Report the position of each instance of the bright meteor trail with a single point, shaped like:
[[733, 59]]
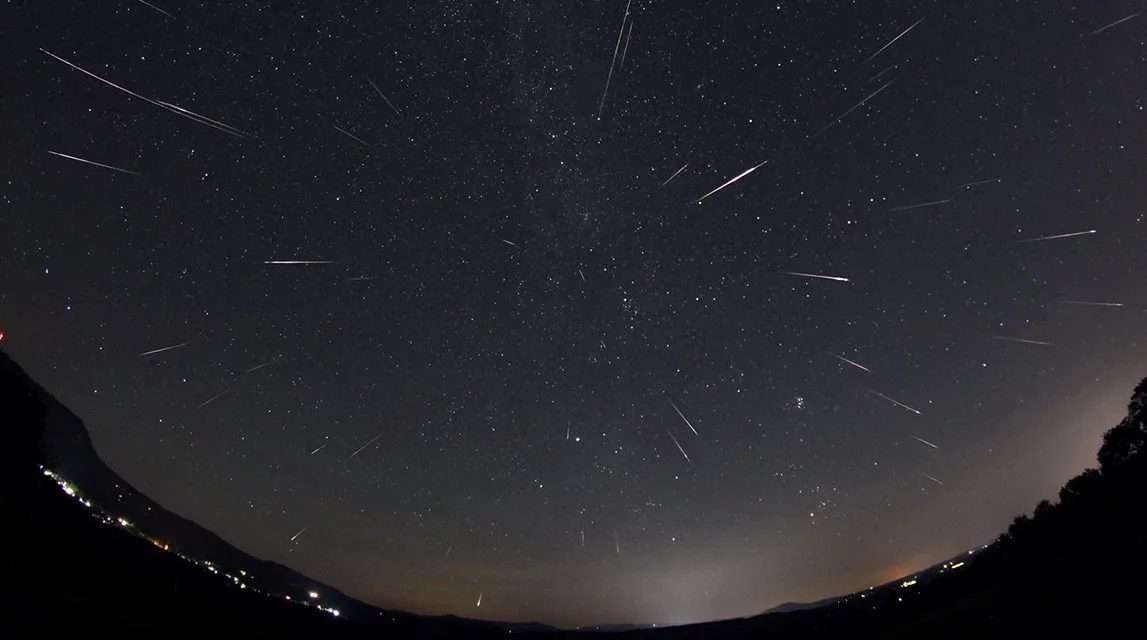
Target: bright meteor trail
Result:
[[163, 105], [98, 164], [925, 442], [892, 41], [383, 96], [741, 175], [1092, 304], [895, 402], [675, 173], [815, 275], [678, 446], [156, 8], [857, 365], [148, 353], [1062, 235], [360, 449], [684, 418], [1011, 339]]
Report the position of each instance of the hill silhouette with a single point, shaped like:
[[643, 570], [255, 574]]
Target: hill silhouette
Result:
[[65, 441], [152, 572], [1072, 566]]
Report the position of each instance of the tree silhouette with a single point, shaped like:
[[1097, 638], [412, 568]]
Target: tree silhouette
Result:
[[1125, 440], [1120, 444], [1138, 402], [1097, 504], [1081, 486]]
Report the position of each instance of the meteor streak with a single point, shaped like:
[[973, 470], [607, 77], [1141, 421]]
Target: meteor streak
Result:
[[163, 105], [360, 449], [225, 128], [321, 447], [383, 95], [922, 204], [879, 75], [294, 537], [925, 442], [895, 402], [212, 399], [1056, 237], [684, 418], [678, 446], [675, 173], [98, 164], [741, 175], [933, 479], [1120, 21], [902, 33], [620, 32], [969, 185], [479, 600], [353, 136], [148, 353], [301, 262], [626, 49], [509, 243], [854, 108], [156, 8], [260, 366], [1011, 339], [814, 275], [855, 364], [1093, 304], [107, 82]]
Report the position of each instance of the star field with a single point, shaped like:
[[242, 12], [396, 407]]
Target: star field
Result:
[[473, 341]]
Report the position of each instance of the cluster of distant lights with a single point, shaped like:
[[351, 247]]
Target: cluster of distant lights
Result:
[[311, 599], [950, 565], [313, 596]]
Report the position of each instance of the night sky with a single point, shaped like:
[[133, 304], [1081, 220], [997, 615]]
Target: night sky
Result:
[[529, 366]]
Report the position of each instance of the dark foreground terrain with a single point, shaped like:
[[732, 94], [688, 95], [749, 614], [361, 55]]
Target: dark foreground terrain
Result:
[[1074, 568]]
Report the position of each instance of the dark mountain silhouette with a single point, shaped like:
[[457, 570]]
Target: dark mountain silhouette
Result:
[[801, 606], [66, 442], [1072, 567], [70, 561]]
